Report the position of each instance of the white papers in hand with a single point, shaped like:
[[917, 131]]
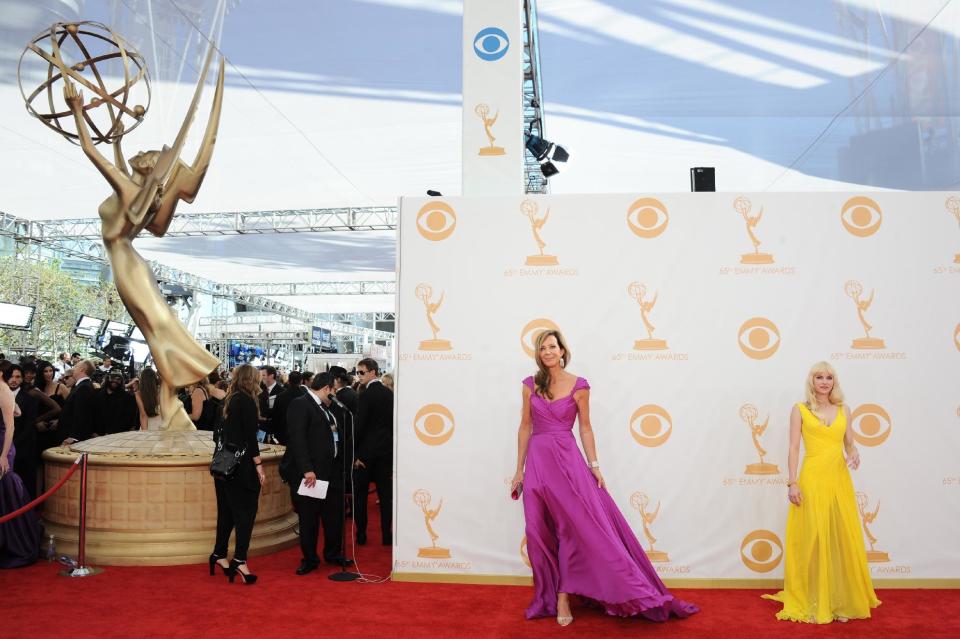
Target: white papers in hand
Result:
[[319, 490]]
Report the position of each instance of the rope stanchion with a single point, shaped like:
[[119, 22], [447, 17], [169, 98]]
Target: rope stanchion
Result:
[[42, 498], [82, 570]]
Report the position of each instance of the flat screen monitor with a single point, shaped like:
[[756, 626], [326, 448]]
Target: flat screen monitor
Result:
[[137, 334], [117, 328], [15, 315], [88, 326]]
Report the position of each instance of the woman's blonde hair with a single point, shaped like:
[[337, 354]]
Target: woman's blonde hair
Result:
[[542, 378], [246, 380], [836, 395]]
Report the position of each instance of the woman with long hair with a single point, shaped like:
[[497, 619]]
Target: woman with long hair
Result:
[[237, 498], [19, 537], [577, 540], [54, 389], [825, 575], [148, 399]]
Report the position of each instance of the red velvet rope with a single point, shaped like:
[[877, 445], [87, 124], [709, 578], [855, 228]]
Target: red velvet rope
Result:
[[42, 498]]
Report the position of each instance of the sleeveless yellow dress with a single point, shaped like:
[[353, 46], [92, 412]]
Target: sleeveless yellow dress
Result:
[[825, 565]]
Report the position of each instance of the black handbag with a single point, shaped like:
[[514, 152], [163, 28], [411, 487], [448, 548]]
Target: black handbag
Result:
[[226, 461]]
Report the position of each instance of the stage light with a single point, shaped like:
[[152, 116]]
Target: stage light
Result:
[[548, 169], [538, 147], [559, 154]]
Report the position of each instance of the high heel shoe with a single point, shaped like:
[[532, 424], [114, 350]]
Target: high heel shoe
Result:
[[214, 562], [247, 578]]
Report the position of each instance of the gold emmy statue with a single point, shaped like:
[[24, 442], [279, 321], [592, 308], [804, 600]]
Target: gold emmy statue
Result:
[[424, 293], [867, 517], [742, 205], [640, 501], [483, 112], [638, 291], [749, 413], [529, 208], [854, 290], [145, 197], [953, 205], [422, 499]]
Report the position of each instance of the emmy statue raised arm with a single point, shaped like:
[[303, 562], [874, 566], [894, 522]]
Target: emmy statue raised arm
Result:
[[144, 198]]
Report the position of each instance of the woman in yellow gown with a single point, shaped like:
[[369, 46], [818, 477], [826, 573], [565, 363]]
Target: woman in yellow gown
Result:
[[826, 576]]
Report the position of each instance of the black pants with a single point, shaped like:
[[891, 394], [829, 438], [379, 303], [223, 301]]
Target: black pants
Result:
[[380, 471], [312, 512], [25, 465], [236, 508]]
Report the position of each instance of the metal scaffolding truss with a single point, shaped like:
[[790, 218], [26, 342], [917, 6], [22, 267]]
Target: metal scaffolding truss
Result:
[[275, 289], [358, 317], [532, 96], [41, 241], [373, 218]]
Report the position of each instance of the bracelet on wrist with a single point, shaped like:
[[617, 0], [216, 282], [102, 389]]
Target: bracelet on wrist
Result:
[[595, 464]]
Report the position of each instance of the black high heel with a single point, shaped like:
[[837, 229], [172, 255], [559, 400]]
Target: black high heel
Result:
[[214, 564], [248, 579]]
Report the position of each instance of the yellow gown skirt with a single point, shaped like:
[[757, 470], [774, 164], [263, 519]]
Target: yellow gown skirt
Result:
[[825, 565]]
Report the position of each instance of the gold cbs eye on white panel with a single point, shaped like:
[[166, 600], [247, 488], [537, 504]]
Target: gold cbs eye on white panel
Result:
[[528, 336], [651, 425], [434, 424], [861, 216], [758, 338], [761, 551], [871, 424], [436, 220], [647, 217]]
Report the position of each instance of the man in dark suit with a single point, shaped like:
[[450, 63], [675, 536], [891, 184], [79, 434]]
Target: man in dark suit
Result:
[[342, 383], [374, 451], [312, 448], [292, 391], [77, 417], [24, 431], [271, 389], [115, 410]]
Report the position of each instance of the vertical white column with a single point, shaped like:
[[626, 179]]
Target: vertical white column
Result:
[[492, 141]]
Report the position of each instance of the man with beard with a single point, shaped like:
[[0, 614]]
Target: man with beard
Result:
[[115, 409], [25, 436]]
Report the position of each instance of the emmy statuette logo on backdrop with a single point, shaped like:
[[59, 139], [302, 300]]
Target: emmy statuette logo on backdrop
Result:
[[953, 205], [483, 112], [422, 499], [638, 292], [434, 424], [436, 220], [490, 44], [742, 206], [867, 518], [956, 337], [528, 336], [529, 209], [758, 338], [854, 290], [749, 413], [651, 425], [424, 293], [871, 424], [861, 216], [757, 551], [647, 217], [641, 503]]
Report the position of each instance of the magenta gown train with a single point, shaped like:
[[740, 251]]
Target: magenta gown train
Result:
[[577, 540]]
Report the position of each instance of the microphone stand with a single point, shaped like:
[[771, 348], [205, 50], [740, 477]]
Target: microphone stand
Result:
[[343, 574]]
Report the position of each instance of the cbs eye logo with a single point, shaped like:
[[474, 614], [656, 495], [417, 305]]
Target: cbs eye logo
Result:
[[647, 217], [523, 552], [861, 216], [757, 551], [491, 44], [436, 220], [651, 425], [758, 338], [871, 424], [434, 424], [528, 336]]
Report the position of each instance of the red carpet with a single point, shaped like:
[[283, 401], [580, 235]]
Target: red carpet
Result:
[[183, 601]]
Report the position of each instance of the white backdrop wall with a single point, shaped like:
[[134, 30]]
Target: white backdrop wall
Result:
[[733, 325]]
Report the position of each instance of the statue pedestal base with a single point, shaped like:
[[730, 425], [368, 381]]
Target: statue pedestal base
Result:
[[434, 553], [436, 345], [868, 343], [762, 469], [877, 556], [151, 500], [492, 150], [756, 258], [542, 260], [650, 345], [658, 556]]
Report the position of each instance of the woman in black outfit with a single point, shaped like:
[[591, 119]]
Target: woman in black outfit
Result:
[[237, 498]]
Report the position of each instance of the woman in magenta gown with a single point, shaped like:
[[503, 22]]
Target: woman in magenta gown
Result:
[[577, 540]]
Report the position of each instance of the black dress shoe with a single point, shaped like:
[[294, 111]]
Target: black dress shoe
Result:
[[361, 539], [340, 561], [307, 566]]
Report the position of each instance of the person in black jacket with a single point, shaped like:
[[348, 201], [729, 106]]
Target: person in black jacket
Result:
[[314, 445], [342, 383], [270, 389], [237, 498], [115, 409], [374, 451], [291, 391], [76, 419]]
